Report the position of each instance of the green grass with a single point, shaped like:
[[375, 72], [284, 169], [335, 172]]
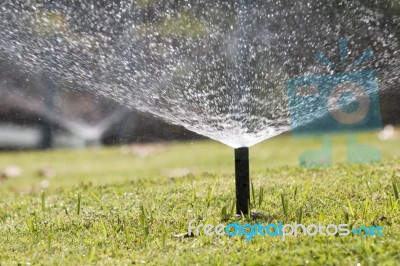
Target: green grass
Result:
[[107, 207]]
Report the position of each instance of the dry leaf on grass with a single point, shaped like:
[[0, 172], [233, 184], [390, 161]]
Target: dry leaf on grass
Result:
[[46, 172]]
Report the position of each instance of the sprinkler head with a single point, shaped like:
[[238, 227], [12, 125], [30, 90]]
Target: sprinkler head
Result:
[[242, 180]]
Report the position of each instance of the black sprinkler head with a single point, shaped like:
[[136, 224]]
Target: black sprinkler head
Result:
[[242, 180]]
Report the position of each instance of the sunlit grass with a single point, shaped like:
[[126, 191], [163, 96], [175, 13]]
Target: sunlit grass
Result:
[[121, 206]]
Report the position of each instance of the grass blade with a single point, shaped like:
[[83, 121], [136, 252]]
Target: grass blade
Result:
[[396, 191], [253, 193], [350, 207], [300, 215], [143, 224], [103, 206], [260, 196], [78, 207], [211, 192], [224, 215], [43, 201], [284, 205], [233, 208]]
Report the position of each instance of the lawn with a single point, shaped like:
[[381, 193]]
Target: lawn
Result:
[[131, 205]]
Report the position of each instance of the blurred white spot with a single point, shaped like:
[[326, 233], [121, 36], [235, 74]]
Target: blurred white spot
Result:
[[11, 172], [388, 133], [44, 184]]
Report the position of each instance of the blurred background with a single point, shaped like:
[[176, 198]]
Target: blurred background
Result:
[[34, 115]]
